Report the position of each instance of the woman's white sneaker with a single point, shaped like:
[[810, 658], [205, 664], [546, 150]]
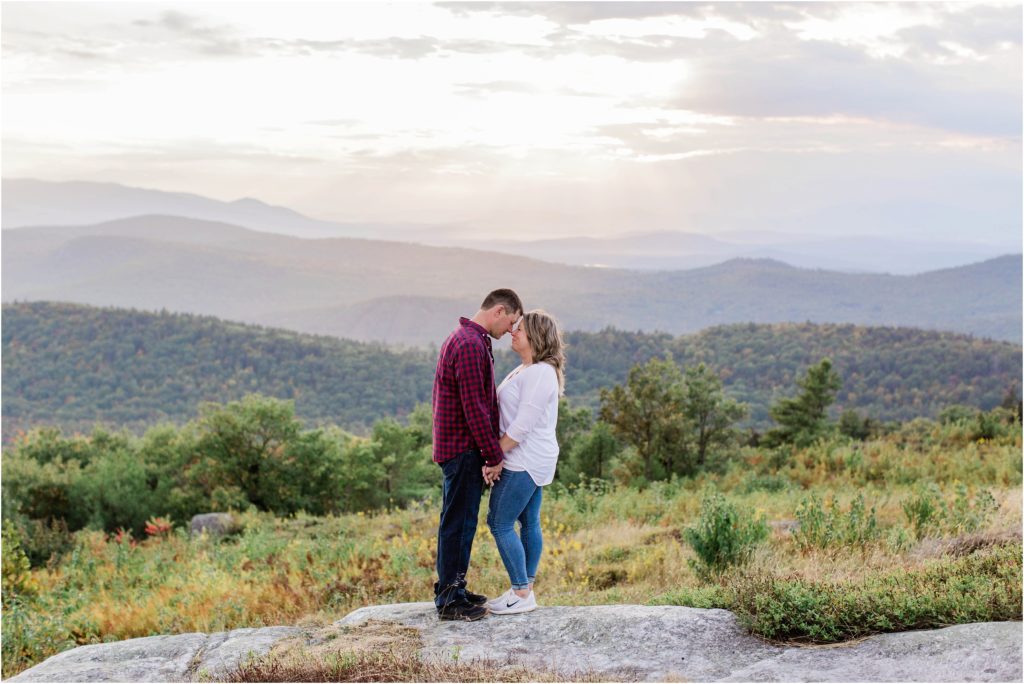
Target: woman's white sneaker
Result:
[[511, 604], [500, 601]]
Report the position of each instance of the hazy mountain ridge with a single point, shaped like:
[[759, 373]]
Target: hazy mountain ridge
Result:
[[29, 202], [361, 289], [72, 365]]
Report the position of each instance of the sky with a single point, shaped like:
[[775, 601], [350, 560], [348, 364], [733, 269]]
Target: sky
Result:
[[529, 120]]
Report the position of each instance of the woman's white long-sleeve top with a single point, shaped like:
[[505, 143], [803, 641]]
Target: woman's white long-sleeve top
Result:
[[528, 398]]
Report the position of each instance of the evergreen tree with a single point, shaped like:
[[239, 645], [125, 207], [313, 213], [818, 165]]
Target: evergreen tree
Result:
[[709, 413], [804, 418]]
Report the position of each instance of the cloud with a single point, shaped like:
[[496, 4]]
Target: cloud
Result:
[[570, 13], [817, 78]]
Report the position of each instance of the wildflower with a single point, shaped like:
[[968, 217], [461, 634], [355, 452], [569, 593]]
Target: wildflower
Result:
[[158, 527]]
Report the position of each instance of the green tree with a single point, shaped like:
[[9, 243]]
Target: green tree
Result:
[[647, 412], [804, 418], [592, 455], [570, 432], [709, 413], [242, 452], [854, 426], [404, 457]]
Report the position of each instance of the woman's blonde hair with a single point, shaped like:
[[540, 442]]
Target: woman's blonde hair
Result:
[[546, 342]]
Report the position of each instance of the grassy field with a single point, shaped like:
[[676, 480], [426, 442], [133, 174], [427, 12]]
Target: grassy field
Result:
[[937, 541]]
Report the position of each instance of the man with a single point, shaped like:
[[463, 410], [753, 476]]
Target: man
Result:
[[465, 440]]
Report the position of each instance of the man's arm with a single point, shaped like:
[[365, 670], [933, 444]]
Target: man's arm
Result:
[[472, 373]]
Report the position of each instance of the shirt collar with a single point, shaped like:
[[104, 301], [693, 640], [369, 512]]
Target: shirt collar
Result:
[[465, 322]]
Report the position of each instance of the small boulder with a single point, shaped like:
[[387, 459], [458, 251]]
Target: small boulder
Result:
[[214, 524]]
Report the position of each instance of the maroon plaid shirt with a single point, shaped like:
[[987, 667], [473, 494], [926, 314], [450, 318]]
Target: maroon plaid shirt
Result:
[[465, 400]]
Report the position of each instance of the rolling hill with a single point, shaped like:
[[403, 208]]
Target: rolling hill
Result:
[[71, 366], [407, 294], [870, 241]]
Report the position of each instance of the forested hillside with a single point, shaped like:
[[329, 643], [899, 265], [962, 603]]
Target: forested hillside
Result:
[[888, 373], [72, 365]]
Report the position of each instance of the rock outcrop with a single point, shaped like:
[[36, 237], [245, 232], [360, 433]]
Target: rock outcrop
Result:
[[615, 643], [214, 524]]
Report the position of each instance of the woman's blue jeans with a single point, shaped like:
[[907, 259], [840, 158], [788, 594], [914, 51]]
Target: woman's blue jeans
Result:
[[516, 497]]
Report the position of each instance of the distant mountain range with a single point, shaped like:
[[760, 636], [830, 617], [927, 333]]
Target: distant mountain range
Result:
[[409, 294], [29, 202], [72, 366]]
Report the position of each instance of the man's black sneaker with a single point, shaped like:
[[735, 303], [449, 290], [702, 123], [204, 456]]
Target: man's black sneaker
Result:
[[462, 610], [475, 599]]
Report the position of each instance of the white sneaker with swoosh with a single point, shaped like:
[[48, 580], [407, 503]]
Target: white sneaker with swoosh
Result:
[[510, 604]]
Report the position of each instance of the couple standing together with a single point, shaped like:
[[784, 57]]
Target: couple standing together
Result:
[[503, 437]]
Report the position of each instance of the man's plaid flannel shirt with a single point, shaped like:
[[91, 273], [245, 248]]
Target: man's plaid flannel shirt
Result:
[[465, 399]]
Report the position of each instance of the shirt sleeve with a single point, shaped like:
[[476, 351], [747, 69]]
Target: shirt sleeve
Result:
[[538, 389], [473, 374]]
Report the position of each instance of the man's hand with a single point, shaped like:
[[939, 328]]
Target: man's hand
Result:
[[492, 473]]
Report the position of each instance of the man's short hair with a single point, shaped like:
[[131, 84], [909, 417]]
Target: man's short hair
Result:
[[507, 298]]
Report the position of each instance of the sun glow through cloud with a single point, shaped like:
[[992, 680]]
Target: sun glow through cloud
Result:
[[446, 110]]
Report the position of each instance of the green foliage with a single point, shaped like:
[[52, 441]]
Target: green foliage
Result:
[[804, 419], [852, 425], [724, 536], [929, 512], [45, 541], [982, 587], [73, 366], [673, 419], [17, 580], [772, 482], [969, 514], [249, 453], [709, 414], [647, 413], [592, 455], [827, 526], [707, 596], [925, 510], [888, 373], [405, 458]]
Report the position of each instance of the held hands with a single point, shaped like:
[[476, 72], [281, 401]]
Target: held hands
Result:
[[492, 474]]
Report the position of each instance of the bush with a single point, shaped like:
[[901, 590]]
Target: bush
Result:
[[708, 596], [982, 587], [723, 536], [929, 514], [824, 527], [925, 510], [967, 514], [46, 540]]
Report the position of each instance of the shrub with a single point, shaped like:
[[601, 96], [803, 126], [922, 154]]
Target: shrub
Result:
[[46, 540], [17, 580], [823, 527], [982, 587], [708, 596], [929, 514], [723, 536], [969, 515], [924, 510]]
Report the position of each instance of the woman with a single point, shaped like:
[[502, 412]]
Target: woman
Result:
[[528, 399]]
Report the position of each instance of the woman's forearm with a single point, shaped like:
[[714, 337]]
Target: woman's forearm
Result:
[[507, 443]]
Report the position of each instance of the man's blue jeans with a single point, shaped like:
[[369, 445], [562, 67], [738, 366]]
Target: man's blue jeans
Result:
[[460, 506], [517, 497]]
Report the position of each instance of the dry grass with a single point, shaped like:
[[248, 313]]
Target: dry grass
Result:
[[379, 651]]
